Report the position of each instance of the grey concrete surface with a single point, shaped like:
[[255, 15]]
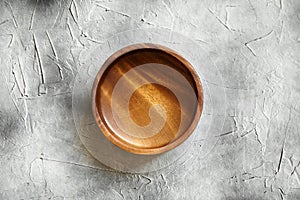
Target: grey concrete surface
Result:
[[254, 43]]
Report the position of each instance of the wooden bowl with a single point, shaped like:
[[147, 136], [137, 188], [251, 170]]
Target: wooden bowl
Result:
[[147, 99]]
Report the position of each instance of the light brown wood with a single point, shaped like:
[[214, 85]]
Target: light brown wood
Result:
[[147, 99]]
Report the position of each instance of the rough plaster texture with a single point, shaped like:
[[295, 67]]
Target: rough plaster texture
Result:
[[255, 44]]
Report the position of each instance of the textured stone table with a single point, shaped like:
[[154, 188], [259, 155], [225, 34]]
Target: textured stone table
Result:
[[256, 46]]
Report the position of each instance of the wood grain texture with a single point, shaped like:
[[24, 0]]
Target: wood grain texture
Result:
[[147, 99]]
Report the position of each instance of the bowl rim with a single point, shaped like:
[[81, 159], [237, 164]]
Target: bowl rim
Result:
[[118, 141]]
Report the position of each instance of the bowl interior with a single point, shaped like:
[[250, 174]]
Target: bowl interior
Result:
[[147, 97]]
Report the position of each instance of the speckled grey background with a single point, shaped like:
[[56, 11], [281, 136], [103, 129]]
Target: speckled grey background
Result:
[[255, 44]]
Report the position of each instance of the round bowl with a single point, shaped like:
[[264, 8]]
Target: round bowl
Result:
[[147, 99]]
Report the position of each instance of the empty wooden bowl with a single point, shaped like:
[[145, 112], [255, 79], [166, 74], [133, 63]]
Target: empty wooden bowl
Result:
[[147, 99]]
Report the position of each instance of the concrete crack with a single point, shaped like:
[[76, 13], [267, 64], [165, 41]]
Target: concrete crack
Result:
[[95, 41], [52, 46], [281, 193], [61, 65], [202, 41], [59, 70], [13, 98], [74, 16], [12, 13], [247, 132], [77, 164], [27, 118], [285, 136], [250, 50], [119, 193], [23, 79], [41, 71], [58, 16], [110, 10], [89, 38], [224, 134], [258, 140], [250, 3], [70, 30], [32, 15], [147, 178], [3, 22], [281, 31], [149, 23], [11, 40], [280, 159], [295, 171], [219, 20], [256, 39], [30, 169], [16, 81]]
